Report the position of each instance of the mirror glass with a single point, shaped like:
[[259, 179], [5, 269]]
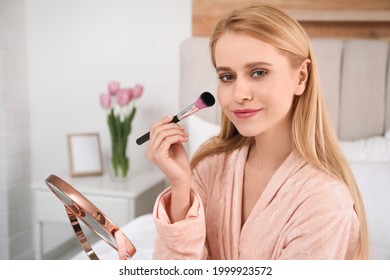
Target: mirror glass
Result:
[[79, 208], [85, 217]]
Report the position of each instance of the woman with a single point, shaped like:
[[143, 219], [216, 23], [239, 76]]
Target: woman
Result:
[[274, 184]]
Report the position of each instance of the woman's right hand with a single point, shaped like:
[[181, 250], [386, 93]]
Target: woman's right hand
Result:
[[167, 152]]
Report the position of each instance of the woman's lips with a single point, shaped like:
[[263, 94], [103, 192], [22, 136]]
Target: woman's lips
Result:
[[245, 113]]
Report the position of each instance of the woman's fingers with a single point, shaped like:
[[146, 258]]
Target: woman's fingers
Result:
[[170, 140], [163, 134], [159, 133], [164, 120], [166, 151]]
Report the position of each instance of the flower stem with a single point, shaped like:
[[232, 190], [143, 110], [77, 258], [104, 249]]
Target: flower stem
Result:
[[120, 131]]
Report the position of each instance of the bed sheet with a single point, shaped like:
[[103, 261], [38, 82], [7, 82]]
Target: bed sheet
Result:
[[141, 232]]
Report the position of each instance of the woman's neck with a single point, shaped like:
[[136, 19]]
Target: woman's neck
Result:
[[272, 147]]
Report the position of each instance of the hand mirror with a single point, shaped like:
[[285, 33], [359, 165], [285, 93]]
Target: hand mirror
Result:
[[78, 208]]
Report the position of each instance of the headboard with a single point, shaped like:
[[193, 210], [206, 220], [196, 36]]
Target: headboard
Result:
[[354, 74]]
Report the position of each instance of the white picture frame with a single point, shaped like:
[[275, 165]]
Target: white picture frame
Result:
[[85, 154]]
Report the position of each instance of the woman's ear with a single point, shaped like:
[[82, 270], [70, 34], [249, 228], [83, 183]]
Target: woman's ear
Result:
[[304, 72]]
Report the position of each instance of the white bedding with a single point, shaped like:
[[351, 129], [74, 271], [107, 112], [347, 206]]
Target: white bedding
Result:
[[141, 232]]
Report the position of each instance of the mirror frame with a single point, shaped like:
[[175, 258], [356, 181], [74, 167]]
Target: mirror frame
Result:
[[80, 208]]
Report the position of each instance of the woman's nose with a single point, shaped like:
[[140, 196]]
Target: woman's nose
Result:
[[242, 91]]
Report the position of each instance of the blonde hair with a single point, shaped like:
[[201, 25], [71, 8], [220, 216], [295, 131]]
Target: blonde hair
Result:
[[312, 132]]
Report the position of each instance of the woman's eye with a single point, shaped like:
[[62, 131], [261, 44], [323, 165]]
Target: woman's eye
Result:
[[259, 73], [226, 77]]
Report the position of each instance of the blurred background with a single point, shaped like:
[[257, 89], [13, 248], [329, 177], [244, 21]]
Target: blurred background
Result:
[[57, 56]]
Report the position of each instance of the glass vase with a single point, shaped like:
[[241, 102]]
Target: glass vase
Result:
[[119, 161]]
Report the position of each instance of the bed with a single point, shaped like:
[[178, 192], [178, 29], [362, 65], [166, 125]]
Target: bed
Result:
[[355, 78]]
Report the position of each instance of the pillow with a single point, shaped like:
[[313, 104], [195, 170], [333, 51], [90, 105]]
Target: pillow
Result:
[[199, 131], [376, 148]]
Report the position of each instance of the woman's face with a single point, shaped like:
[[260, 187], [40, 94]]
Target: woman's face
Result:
[[256, 83]]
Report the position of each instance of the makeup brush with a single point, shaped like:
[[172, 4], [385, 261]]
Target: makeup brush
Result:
[[206, 99]]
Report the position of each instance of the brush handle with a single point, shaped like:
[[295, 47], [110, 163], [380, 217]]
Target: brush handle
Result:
[[146, 136]]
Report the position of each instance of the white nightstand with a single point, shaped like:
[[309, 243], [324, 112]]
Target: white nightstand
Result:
[[120, 201]]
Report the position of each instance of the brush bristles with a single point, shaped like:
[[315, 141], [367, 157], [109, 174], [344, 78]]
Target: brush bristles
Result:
[[206, 99]]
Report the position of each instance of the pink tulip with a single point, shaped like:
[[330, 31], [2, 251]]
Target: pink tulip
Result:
[[137, 91], [113, 88], [123, 97], [105, 101], [130, 93]]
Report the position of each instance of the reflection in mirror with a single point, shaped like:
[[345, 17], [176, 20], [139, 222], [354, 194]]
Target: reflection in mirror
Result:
[[79, 208], [65, 199]]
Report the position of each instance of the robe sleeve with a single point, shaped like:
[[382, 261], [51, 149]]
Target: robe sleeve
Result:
[[333, 236], [185, 239]]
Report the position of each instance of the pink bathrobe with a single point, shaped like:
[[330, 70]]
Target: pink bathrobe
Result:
[[303, 213]]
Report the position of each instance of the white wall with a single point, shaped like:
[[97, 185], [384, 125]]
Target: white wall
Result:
[[75, 47], [15, 201]]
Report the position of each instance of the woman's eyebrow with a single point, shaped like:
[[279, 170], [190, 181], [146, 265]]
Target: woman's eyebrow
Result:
[[223, 69], [248, 66], [257, 64]]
